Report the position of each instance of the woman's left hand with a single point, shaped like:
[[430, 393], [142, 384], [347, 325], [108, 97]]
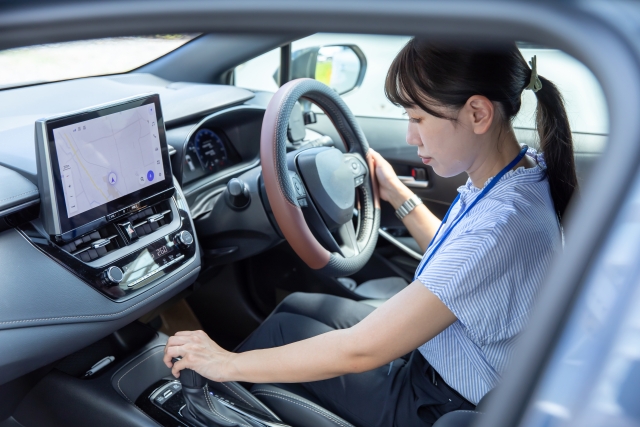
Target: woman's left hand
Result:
[[199, 353]]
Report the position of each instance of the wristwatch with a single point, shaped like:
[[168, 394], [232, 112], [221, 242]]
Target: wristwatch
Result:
[[408, 206]]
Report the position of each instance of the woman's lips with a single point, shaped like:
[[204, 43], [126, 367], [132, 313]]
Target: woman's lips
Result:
[[426, 160]]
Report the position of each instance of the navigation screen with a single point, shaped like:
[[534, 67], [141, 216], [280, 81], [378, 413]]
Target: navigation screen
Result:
[[108, 157]]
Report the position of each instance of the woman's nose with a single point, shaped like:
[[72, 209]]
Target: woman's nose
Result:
[[413, 137]]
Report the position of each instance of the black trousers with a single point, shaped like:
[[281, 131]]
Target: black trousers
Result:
[[407, 392]]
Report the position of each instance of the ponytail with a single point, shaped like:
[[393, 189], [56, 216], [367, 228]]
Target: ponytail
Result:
[[556, 143]]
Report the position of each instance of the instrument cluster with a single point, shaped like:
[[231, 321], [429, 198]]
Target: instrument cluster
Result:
[[208, 151]]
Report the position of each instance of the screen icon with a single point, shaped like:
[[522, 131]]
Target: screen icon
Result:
[[150, 176], [113, 178]]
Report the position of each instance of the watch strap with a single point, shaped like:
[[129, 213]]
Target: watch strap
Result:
[[409, 205]]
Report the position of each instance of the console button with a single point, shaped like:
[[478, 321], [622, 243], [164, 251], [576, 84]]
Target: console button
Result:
[[113, 275], [184, 239], [129, 231]]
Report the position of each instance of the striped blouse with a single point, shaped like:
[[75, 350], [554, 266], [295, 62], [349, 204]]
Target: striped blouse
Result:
[[487, 272]]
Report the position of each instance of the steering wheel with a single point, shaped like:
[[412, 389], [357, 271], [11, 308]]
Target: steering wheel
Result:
[[317, 194]]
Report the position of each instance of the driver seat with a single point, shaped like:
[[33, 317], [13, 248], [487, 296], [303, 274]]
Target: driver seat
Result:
[[296, 407]]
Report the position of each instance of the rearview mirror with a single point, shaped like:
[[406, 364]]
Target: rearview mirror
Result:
[[341, 67]]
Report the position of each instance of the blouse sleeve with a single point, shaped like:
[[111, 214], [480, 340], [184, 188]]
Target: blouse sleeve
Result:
[[473, 275]]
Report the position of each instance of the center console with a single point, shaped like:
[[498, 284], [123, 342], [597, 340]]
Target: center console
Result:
[[110, 209]]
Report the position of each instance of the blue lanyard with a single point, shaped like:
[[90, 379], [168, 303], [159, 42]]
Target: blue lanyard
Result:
[[484, 192]]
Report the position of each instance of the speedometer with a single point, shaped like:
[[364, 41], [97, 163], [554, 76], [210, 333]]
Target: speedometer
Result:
[[210, 150]]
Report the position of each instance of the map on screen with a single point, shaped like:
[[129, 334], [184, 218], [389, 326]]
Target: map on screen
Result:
[[109, 157]]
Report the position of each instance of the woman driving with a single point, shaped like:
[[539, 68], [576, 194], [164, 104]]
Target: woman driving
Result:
[[444, 341]]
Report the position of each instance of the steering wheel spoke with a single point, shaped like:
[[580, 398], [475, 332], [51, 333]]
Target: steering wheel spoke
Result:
[[348, 239]]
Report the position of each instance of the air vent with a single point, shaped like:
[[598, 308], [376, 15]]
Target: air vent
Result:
[[95, 244], [151, 219], [100, 242]]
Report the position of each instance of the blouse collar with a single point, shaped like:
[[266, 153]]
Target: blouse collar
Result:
[[469, 190]]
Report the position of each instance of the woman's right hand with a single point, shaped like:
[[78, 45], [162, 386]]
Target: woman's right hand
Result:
[[391, 188]]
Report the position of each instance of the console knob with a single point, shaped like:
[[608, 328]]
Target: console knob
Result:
[[238, 193], [113, 275], [184, 239]]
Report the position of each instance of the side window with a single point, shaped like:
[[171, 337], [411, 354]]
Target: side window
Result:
[[585, 102], [366, 100]]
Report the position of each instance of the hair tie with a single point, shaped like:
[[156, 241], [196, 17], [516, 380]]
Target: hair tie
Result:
[[534, 84]]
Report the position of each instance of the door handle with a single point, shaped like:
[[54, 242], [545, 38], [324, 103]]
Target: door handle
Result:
[[411, 182]]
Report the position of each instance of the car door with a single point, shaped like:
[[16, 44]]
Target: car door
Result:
[[385, 126]]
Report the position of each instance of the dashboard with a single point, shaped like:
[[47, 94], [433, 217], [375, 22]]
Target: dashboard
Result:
[[131, 244]]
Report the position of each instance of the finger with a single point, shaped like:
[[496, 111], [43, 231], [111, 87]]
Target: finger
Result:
[[180, 340], [169, 354], [167, 359], [179, 366], [185, 333], [374, 181]]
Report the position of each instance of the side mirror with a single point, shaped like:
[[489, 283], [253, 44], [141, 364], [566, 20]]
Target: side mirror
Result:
[[341, 67]]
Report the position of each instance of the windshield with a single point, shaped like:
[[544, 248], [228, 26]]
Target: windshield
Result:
[[71, 60]]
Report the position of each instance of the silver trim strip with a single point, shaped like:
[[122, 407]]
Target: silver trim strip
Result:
[[404, 248], [154, 272], [219, 179], [52, 219]]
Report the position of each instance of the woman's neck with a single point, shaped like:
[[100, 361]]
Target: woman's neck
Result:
[[491, 161]]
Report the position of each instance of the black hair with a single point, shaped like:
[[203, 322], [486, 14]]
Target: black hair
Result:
[[428, 75]]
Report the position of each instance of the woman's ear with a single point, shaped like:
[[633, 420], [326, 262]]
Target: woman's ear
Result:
[[481, 112]]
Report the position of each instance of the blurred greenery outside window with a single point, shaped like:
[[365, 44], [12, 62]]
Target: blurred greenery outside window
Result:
[[85, 58]]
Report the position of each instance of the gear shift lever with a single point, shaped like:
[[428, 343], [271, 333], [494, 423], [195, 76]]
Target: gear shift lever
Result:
[[204, 410], [191, 379]]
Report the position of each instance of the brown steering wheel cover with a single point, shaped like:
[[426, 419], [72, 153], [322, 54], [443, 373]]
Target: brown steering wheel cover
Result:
[[288, 215]]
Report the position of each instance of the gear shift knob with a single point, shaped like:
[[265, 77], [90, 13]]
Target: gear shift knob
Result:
[[190, 378]]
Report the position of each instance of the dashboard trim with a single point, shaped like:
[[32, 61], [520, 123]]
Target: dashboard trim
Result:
[[206, 183], [19, 207], [49, 203]]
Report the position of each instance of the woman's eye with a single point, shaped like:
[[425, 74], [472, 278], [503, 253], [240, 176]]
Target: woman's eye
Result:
[[414, 120]]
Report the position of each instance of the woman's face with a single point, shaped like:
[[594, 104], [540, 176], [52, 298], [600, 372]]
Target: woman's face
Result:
[[445, 145]]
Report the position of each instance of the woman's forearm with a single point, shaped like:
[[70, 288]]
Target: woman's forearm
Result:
[[421, 223], [384, 335], [324, 356]]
